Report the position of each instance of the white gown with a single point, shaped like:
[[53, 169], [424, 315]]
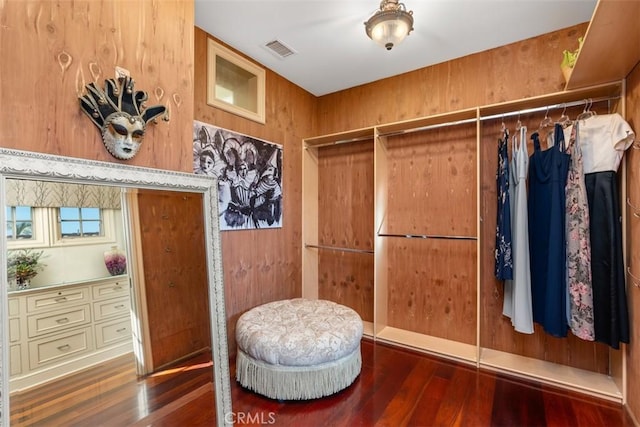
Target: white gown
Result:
[[517, 292]]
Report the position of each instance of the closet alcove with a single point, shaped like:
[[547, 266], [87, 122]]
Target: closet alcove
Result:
[[399, 223]]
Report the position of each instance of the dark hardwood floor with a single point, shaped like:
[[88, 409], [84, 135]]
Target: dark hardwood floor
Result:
[[396, 387]]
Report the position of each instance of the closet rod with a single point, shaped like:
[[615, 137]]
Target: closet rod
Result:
[[341, 141], [335, 248], [435, 126], [428, 236], [549, 107]]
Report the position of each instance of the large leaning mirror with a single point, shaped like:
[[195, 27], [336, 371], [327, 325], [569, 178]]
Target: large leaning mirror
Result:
[[110, 230]]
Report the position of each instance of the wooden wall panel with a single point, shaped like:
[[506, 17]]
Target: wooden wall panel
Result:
[[432, 182], [52, 48], [432, 190], [345, 220], [175, 274], [518, 70], [633, 245], [263, 265], [432, 287]]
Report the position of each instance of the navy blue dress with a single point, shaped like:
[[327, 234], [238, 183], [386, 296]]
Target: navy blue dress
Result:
[[503, 253], [548, 172]]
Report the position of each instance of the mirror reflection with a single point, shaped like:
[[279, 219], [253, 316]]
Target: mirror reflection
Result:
[[86, 320]]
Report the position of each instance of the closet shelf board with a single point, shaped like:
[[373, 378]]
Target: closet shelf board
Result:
[[434, 345], [408, 126], [340, 137], [608, 53], [563, 376], [610, 90]]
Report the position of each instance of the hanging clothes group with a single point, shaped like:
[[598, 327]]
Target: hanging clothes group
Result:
[[571, 275]]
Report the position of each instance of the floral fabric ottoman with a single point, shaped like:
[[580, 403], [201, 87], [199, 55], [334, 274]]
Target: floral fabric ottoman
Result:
[[298, 349]]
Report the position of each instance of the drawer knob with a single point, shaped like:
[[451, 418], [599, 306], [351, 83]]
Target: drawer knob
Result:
[[119, 306], [117, 288], [61, 299], [121, 330], [65, 347], [63, 320]]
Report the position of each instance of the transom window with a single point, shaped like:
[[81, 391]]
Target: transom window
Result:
[[80, 222], [19, 223]]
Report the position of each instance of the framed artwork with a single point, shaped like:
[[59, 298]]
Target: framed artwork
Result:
[[249, 173]]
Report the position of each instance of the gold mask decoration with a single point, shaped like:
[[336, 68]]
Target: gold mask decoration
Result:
[[120, 114]]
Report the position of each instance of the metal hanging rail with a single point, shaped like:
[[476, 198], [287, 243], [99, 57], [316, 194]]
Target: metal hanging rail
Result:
[[428, 236], [341, 141], [549, 107], [336, 248], [428, 127]]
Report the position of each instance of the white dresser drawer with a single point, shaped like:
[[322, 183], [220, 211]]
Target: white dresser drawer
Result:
[[111, 308], [113, 331], [14, 330], [59, 347], [57, 299], [15, 360], [14, 307], [111, 289], [57, 320]]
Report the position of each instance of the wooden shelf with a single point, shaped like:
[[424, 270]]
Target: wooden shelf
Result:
[[566, 377], [441, 347], [611, 45]]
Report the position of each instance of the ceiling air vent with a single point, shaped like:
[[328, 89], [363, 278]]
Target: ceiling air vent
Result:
[[279, 49]]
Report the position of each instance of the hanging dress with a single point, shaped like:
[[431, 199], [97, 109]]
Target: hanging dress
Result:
[[517, 292], [548, 171], [579, 287], [503, 257], [603, 140]]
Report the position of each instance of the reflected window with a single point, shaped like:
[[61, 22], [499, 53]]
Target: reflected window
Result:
[[19, 223], [80, 222]]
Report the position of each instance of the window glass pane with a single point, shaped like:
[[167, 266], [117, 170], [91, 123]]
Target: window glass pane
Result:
[[23, 213], [70, 228], [19, 222], [24, 230], [90, 213], [69, 213], [91, 228]]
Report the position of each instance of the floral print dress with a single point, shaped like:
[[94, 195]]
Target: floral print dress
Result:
[[503, 255], [579, 284]]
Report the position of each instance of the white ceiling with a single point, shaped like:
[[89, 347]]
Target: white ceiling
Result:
[[334, 53]]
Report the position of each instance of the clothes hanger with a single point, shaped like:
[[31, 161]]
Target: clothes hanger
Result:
[[564, 120], [587, 112], [546, 122]]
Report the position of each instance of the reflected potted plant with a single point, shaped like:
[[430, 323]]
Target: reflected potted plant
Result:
[[24, 265]]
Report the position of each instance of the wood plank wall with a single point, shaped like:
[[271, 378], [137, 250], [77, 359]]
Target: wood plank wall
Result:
[[633, 244], [345, 220], [263, 265], [432, 190], [519, 70], [52, 48]]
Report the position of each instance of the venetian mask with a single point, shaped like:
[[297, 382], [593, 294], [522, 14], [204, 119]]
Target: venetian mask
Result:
[[122, 135], [120, 114]]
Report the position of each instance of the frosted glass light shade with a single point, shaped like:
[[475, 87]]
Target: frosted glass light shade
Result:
[[390, 25]]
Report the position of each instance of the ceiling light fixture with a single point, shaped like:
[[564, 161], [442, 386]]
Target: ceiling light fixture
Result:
[[389, 25]]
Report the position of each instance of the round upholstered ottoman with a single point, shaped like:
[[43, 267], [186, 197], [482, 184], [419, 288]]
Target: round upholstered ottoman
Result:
[[298, 349]]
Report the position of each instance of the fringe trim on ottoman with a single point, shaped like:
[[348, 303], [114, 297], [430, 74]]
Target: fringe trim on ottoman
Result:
[[297, 382]]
